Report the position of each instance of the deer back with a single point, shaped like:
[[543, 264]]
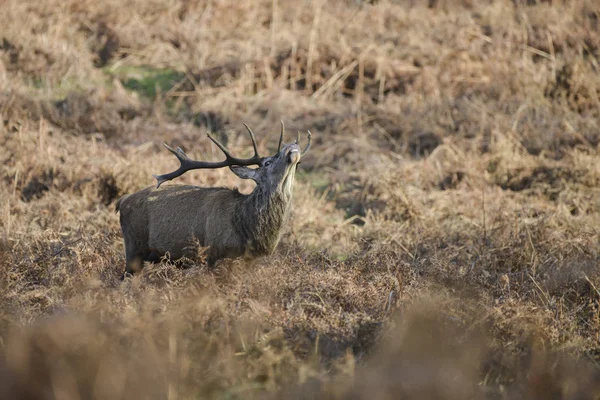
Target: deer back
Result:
[[172, 218]]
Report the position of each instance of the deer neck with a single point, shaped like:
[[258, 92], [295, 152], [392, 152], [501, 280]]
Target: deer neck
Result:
[[262, 216]]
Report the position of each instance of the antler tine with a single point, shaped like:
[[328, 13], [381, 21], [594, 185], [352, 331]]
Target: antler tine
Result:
[[308, 144], [281, 137], [220, 146], [253, 140], [298, 137]]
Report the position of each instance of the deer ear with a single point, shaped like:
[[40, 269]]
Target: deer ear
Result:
[[244, 172]]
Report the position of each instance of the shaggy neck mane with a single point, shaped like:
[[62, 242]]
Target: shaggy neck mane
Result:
[[260, 217]]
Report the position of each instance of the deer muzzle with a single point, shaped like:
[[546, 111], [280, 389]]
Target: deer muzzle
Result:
[[294, 156]]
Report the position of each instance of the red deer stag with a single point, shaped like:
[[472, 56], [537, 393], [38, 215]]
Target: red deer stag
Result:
[[173, 219]]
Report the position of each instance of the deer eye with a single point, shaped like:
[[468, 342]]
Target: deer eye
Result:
[[267, 163]]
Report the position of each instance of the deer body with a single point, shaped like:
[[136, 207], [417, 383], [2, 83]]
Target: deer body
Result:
[[175, 219]]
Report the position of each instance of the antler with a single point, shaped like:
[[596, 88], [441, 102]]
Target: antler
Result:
[[280, 137], [307, 145], [188, 164], [297, 140]]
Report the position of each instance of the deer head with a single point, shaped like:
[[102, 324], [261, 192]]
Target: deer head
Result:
[[273, 172]]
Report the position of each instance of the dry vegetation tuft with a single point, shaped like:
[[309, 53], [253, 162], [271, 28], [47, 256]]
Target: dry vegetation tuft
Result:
[[444, 238]]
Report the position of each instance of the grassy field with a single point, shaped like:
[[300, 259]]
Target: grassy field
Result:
[[445, 229]]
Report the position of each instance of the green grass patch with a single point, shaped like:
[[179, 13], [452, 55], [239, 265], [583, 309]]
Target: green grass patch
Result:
[[147, 81]]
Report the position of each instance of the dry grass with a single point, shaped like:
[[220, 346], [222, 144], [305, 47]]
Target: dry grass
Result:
[[444, 239]]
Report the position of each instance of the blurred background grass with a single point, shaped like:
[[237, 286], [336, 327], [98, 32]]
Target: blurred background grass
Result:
[[444, 237]]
